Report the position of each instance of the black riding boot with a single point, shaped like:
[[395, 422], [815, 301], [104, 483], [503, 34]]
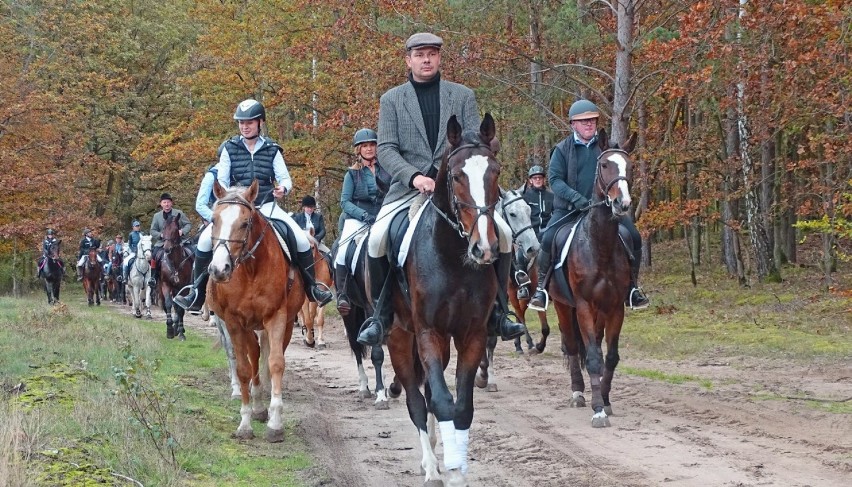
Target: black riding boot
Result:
[[341, 275], [540, 299], [305, 260], [155, 268], [522, 279], [196, 292], [509, 330], [636, 299], [373, 330]]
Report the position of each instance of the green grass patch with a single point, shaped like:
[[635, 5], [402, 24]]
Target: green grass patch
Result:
[[58, 370], [664, 377]]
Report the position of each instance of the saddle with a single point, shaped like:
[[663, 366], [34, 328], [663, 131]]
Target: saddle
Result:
[[285, 237]]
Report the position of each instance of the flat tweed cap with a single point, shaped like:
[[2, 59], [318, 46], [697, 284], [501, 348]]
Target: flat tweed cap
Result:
[[423, 39]]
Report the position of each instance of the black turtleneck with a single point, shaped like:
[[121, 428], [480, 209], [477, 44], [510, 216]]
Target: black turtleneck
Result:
[[429, 98]]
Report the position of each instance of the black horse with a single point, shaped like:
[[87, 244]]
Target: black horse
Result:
[[50, 270], [361, 308]]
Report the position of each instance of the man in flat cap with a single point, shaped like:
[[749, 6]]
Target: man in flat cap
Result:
[[157, 225], [411, 141]]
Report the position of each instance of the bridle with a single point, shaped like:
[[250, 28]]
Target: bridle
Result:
[[503, 205], [457, 204], [223, 242], [605, 187]]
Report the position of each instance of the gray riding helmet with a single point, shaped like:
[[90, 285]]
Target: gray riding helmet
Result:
[[583, 110], [250, 109], [364, 135], [536, 171]]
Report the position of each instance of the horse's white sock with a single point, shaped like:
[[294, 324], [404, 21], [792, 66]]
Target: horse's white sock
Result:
[[452, 456], [462, 441]]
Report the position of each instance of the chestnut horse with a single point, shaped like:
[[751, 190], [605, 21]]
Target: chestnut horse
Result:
[[252, 288], [598, 273], [175, 263], [92, 274], [51, 272], [452, 288]]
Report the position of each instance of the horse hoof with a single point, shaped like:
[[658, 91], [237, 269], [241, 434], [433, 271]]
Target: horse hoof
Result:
[[309, 345], [480, 381], [577, 400], [519, 350], [182, 337], [394, 391], [274, 436], [600, 420], [364, 394], [260, 415], [321, 346], [608, 410], [382, 405], [245, 434], [434, 483], [491, 387]]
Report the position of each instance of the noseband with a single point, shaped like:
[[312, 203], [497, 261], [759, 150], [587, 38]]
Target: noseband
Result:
[[244, 255], [503, 205], [605, 187], [457, 204]]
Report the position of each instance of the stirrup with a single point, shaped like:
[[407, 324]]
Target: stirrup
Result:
[[317, 288], [371, 341], [522, 278], [546, 301], [637, 291]]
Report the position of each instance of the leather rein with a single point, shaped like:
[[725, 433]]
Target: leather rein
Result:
[[244, 255]]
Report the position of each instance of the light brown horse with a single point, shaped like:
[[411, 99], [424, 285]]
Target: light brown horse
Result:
[[92, 273], [253, 288], [312, 316]]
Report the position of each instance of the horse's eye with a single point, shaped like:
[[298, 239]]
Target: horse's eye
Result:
[[244, 225], [455, 178], [513, 215]]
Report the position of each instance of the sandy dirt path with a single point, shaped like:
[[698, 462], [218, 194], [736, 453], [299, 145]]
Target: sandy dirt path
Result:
[[753, 427]]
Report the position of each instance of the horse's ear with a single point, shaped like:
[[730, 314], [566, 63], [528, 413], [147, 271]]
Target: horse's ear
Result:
[[487, 130], [218, 190], [454, 131], [603, 140], [251, 194], [630, 144]]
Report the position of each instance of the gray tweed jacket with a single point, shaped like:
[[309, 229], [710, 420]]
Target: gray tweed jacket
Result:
[[403, 146]]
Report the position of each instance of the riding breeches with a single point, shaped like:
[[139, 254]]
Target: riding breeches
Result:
[[378, 244], [84, 258], [271, 210], [351, 229]]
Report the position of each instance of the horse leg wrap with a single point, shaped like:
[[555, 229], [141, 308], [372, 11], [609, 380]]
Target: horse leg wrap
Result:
[[452, 455], [462, 442]]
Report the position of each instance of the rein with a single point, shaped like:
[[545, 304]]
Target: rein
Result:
[[243, 256]]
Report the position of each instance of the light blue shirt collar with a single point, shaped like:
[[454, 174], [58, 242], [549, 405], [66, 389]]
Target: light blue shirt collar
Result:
[[577, 140]]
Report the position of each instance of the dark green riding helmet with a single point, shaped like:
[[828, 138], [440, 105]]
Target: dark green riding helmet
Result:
[[536, 171]]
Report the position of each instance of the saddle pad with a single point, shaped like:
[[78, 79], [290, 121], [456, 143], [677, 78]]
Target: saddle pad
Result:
[[563, 256], [359, 242], [281, 241], [409, 234]]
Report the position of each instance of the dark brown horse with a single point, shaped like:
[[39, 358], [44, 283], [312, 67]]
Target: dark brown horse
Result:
[[452, 288], [598, 273], [92, 273], [252, 288], [51, 272], [175, 263], [115, 286]]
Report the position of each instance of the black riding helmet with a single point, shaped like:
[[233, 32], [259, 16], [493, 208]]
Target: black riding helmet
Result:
[[250, 109]]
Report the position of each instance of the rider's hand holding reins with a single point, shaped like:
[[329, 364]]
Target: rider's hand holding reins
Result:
[[279, 191], [424, 184]]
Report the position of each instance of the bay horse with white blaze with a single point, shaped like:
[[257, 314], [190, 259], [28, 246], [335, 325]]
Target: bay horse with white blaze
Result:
[[453, 286], [51, 272], [252, 288], [92, 274], [175, 263], [598, 274]]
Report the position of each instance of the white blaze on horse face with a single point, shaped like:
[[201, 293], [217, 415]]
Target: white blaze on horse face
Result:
[[221, 256], [619, 160], [475, 168]]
